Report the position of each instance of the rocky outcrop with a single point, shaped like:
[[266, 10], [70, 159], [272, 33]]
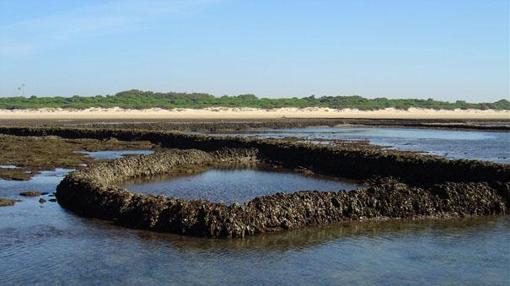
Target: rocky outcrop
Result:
[[6, 202], [95, 192], [350, 160], [225, 125], [30, 194], [412, 185]]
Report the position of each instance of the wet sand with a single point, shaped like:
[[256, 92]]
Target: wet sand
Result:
[[250, 113]]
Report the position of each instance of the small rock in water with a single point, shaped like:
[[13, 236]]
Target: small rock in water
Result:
[[44, 193], [30, 194], [6, 202], [42, 201], [52, 200]]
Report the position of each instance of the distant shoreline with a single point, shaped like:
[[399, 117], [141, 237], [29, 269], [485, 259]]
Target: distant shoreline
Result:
[[250, 113]]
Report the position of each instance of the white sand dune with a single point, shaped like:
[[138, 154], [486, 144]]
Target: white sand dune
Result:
[[249, 113]]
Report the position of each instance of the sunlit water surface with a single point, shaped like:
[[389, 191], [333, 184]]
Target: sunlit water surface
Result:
[[41, 243], [229, 186], [455, 144], [115, 154]]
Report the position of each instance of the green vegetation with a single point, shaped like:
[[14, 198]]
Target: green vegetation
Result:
[[136, 99]]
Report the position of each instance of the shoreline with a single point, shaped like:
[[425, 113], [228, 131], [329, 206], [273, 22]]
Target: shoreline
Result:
[[251, 113]]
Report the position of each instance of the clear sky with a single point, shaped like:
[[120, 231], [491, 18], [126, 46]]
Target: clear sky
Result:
[[442, 49]]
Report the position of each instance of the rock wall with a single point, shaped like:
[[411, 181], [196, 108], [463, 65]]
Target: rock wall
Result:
[[411, 185], [220, 125], [95, 192], [349, 160]]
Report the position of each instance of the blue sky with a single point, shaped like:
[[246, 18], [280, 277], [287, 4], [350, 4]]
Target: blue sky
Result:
[[414, 49]]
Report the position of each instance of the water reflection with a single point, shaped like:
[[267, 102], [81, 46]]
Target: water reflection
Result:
[[114, 154], [47, 245], [480, 145], [45, 181], [236, 185], [8, 167], [319, 235]]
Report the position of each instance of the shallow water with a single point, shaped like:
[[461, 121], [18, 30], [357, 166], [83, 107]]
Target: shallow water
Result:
[[114, 154], [44, 244], [8, 167], [47, 245], [229, 186], [455, 144]]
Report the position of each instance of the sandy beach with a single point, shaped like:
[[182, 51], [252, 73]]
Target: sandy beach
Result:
[[250, 113]]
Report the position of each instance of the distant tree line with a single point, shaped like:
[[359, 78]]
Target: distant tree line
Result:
[[137, 99]]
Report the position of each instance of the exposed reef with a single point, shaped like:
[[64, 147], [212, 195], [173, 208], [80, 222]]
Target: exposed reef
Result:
[[95, 192], [402, 185], [31, 155], [30, 194], [351, 160], [221, 125], [6, 202]]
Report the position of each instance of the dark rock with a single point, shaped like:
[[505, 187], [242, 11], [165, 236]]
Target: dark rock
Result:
[[347, 159], [52, 200], [30, 194], [42, 201], [7, 202], [411, 185], [95, 192]]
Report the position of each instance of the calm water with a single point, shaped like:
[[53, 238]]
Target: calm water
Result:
[[115, 154], [480, 145], [7, 167], [44, 244], [229, 186]]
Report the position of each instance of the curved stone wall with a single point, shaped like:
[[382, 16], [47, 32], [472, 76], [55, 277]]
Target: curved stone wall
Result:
[[95, 192], [411, 185], [350, 160]]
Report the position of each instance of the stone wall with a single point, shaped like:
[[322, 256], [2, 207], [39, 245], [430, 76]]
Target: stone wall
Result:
[[404, 185], [350, 160], [95, 192]]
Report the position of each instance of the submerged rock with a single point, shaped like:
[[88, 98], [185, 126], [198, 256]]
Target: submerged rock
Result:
[[30, 194], [7, 202]]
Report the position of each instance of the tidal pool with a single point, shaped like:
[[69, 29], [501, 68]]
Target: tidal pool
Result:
[[239, 185], [455, 144], [41, 243], [44, 244]]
